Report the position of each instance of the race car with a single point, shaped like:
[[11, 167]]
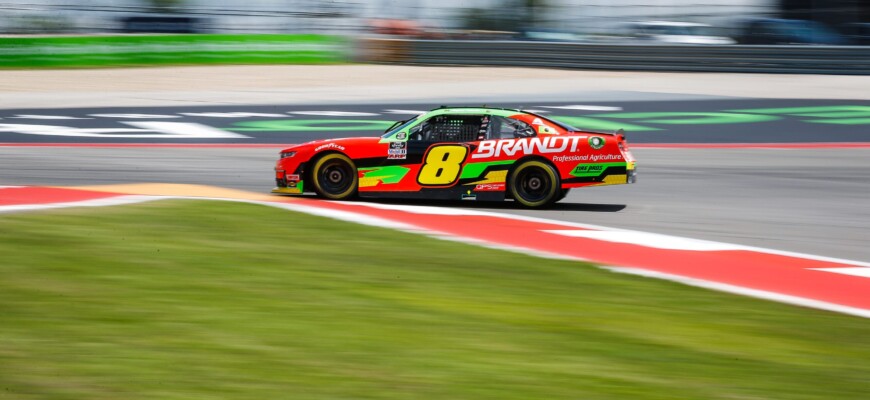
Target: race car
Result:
[[461, 153]]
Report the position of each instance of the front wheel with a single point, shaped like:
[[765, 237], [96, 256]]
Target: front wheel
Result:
[[334, 177], [534, 184]]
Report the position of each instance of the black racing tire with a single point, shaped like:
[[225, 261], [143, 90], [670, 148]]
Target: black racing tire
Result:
[[534, 184], [562, 195], [334, 177]]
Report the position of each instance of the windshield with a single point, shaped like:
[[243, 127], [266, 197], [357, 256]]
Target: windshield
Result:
[[401, 125]]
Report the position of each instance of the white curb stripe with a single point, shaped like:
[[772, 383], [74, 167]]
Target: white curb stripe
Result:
[[648, 240], [761, 294], [857, 271], [462, 211], [111, 201]]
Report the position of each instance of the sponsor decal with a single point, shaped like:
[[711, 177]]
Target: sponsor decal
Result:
[[588, 157], [595, 169], [329, 146], [489, 187], [587, 169], [546, 130], [597, 142], [401, 136], [511, 147], [481, 133], [397, 154], [292, 177], [469, 196], [569, 158], [397, 151], [537, 121]]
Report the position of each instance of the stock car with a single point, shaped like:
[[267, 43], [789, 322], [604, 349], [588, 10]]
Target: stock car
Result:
[[461, 153]]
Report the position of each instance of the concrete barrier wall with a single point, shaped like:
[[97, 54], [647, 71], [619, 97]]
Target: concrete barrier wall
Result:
[[851, 60]]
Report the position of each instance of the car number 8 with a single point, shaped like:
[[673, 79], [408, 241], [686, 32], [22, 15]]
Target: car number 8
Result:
[[442, 165]]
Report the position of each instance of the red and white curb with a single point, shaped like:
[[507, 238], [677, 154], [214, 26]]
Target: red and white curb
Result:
[[806, 280]]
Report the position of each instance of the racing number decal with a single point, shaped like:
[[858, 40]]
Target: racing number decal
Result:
[[442, 165]]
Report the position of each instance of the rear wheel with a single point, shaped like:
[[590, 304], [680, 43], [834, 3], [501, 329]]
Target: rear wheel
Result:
[[534, 184], [334, 177]]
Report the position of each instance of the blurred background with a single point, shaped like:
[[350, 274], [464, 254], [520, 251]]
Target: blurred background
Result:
[[819, 22]]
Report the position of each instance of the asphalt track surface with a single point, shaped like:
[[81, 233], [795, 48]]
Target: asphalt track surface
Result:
[[804, 200], [808, 200], [710, 120]]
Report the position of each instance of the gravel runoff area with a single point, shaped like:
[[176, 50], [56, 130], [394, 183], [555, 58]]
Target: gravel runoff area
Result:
[[295, 84]]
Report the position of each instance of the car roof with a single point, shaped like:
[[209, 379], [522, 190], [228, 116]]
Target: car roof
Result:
[[504, 112]]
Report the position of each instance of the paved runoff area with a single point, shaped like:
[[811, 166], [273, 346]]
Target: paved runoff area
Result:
[[294, 84]]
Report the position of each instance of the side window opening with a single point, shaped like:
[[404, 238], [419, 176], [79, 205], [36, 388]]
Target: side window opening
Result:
[[451, 128], [509, 128]]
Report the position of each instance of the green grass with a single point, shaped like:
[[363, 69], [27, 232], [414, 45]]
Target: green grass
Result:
[[161, 50], [212, 300]]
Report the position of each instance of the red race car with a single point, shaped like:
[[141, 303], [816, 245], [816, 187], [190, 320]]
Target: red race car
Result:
[[483, 154]]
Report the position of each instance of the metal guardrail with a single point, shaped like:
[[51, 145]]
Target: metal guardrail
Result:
[[841, 60]]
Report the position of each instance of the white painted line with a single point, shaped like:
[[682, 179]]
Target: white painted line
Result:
[[853, 271], [135, 116], [422, 210], [646, 239], [585, 107], [533, 111], [55, 130], [384, 223], [146, 129], [339, 215], [185, 130], [110, 201], [335, 113], [761, 294], [31, 116], [9, 187], [408, 112], [232, 114]]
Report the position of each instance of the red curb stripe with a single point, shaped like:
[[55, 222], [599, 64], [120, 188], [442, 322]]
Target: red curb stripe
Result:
[[783, 274], [27, 195]]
